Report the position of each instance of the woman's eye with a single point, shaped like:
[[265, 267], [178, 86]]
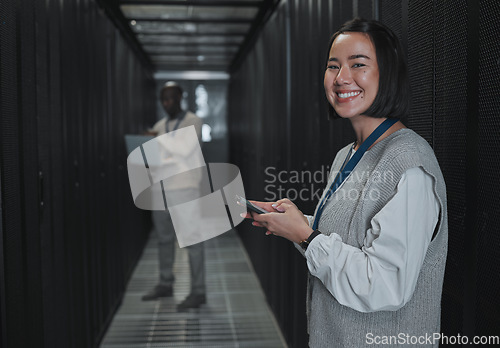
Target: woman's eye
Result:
[[332, 67], [358, 65]]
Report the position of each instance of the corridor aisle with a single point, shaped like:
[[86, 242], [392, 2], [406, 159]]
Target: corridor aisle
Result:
[[236, 313]]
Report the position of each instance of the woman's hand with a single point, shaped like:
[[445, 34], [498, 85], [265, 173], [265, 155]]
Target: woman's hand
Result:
[[284, 220]]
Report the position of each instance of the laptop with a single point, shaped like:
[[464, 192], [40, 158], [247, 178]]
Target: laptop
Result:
[[134, 140]]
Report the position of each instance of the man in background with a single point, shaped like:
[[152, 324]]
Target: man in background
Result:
[[170, 97]]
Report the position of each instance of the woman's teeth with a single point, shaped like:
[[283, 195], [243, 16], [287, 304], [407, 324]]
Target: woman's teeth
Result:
[[347, 95]]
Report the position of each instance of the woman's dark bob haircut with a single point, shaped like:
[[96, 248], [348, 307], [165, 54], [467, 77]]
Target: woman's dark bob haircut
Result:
[[393, 96]]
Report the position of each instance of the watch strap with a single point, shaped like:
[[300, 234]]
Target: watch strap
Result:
[[305, 243]]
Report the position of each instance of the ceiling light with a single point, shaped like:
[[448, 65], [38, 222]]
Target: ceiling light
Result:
[[190, 27]]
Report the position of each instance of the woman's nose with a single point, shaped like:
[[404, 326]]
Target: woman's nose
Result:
[[343, 76]]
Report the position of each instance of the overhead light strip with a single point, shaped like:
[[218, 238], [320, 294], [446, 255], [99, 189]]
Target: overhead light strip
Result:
[[169, 33], [241, 3], [193, 20], [191, 75]]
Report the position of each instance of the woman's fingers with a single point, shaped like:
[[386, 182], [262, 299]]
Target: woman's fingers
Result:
[[283, 200], [257, 224], [246, 215], [275, 222], [261, 218], [283, 205], [264, 205]]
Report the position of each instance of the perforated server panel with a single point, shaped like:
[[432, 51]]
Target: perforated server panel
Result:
[[71, 87]]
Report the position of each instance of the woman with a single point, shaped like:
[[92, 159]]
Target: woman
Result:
[[376, 246]]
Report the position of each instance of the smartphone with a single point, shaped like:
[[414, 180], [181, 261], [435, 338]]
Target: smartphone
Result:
[[250, 206]]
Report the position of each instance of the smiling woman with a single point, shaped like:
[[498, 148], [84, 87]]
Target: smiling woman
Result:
[[380, 50], [352, 74], [376, 245]]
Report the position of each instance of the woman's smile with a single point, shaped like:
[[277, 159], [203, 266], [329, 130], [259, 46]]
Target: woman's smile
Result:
[[347, 96]]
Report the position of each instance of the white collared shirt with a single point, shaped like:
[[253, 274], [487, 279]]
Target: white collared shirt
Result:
[[382, 275]]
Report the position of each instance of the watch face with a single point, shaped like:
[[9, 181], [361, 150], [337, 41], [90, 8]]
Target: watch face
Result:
[[304, 244]]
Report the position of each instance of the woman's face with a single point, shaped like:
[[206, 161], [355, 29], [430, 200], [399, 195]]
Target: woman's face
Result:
[[352, 75]]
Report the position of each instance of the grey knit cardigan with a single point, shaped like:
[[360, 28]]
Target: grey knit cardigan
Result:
[[348, 213]]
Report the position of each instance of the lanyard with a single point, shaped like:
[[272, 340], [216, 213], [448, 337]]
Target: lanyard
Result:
[[349, 167], [179, 120]]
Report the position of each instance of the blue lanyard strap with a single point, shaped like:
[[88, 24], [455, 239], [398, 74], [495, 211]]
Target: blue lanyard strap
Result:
[[349, 167]]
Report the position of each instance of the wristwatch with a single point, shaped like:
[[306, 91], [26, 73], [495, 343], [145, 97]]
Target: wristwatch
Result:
[[305, 243]]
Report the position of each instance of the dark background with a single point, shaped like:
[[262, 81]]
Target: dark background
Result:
[[71, 86]]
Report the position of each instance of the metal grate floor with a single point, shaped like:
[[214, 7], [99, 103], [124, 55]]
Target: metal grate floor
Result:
[[236, 313]]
